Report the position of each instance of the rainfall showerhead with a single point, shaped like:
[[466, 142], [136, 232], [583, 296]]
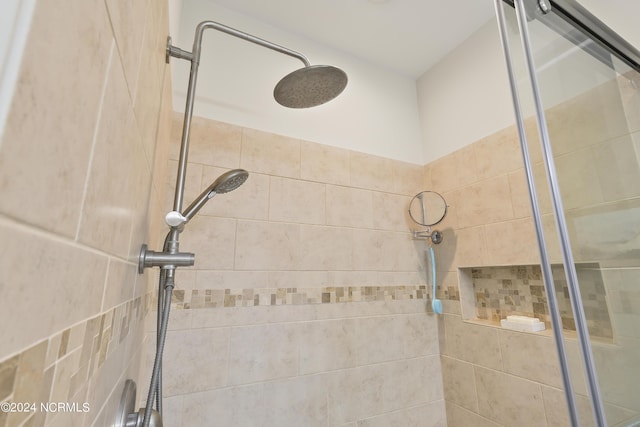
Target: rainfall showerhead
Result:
[[225, 183], [310, 86]]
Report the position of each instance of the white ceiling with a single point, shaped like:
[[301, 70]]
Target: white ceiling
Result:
[[407, 36]]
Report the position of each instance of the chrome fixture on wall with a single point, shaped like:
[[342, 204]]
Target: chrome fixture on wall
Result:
[[309, 86], [426, 209]]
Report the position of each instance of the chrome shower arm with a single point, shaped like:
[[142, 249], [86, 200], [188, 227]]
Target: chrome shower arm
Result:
[[194, 57], [205, 25]]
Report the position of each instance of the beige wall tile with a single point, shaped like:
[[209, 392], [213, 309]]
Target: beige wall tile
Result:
[[43, 310], [623, 297], [411, 382], [107, 211], [325, 248], [148, 98], [371, 172], [459, 383], [618, 167], [450, 219], [408, 178], [296, 401], [557, 412], [231, 406], [533, 138], [426, 177], [512, 242], [524, 406], [558, 416], [598, 114], [460, 417], [498, 154], [542, 188], [630, 99], [46, 186], [255, 242], [213, 241], [384, 251], [520, 194], [469, 245], [263, 352], [192, 185], [322, 163], [579, 185], [327, 345], [485, 202], [250, 201], [346, 391], [618, 374], [349, 207], [454, 171], [552, 243], [379, 339], [390, 212], [211, 143], [230, 279], [420, 335], [297, 201], [121, 280], [196, 357], [128, 22], [270, 154], [530, 356], [471, 343], [430, 415]]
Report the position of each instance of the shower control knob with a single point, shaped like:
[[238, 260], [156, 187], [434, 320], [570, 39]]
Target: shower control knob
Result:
[[174, 219]]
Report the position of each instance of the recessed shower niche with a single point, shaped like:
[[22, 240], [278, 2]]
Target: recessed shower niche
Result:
[[491, 293]]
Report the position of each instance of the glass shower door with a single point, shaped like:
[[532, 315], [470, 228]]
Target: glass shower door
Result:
[[591, 114]]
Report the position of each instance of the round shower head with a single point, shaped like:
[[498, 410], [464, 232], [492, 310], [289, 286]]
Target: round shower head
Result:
[[226, 182], [229, 181], [310, 86]]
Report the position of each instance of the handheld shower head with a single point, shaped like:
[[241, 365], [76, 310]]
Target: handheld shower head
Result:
[[225, 183], [310, 86]]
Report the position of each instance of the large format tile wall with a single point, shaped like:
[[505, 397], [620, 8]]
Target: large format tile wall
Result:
[[307, 304], [495, 377], [76, 162]]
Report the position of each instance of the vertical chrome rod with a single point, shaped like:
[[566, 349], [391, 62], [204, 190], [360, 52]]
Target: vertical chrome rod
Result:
[[558, 209], [191, 90], [556, 319]]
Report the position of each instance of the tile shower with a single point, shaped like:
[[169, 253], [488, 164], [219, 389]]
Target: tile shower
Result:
[[318, 314]]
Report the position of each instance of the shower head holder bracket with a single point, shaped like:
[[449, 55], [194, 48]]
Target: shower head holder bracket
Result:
[[150, 258]]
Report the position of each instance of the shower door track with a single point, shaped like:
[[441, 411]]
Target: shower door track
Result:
[[591, 28]]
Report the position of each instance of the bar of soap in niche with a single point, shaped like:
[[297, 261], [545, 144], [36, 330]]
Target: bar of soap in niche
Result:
[[522, 326], [523, 319]]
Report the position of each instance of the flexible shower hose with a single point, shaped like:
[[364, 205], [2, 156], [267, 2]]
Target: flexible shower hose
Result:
[[157, 363]]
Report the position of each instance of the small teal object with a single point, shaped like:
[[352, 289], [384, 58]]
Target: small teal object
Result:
[[436, 304]]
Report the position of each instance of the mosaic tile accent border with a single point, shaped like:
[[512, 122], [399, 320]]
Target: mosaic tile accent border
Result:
[[57, 368], [213, 298], [503, 291]]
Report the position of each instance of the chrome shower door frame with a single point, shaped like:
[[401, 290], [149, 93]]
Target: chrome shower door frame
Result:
[[592, 28]]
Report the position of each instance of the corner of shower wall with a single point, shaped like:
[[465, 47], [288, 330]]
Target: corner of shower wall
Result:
[[488, 226]]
